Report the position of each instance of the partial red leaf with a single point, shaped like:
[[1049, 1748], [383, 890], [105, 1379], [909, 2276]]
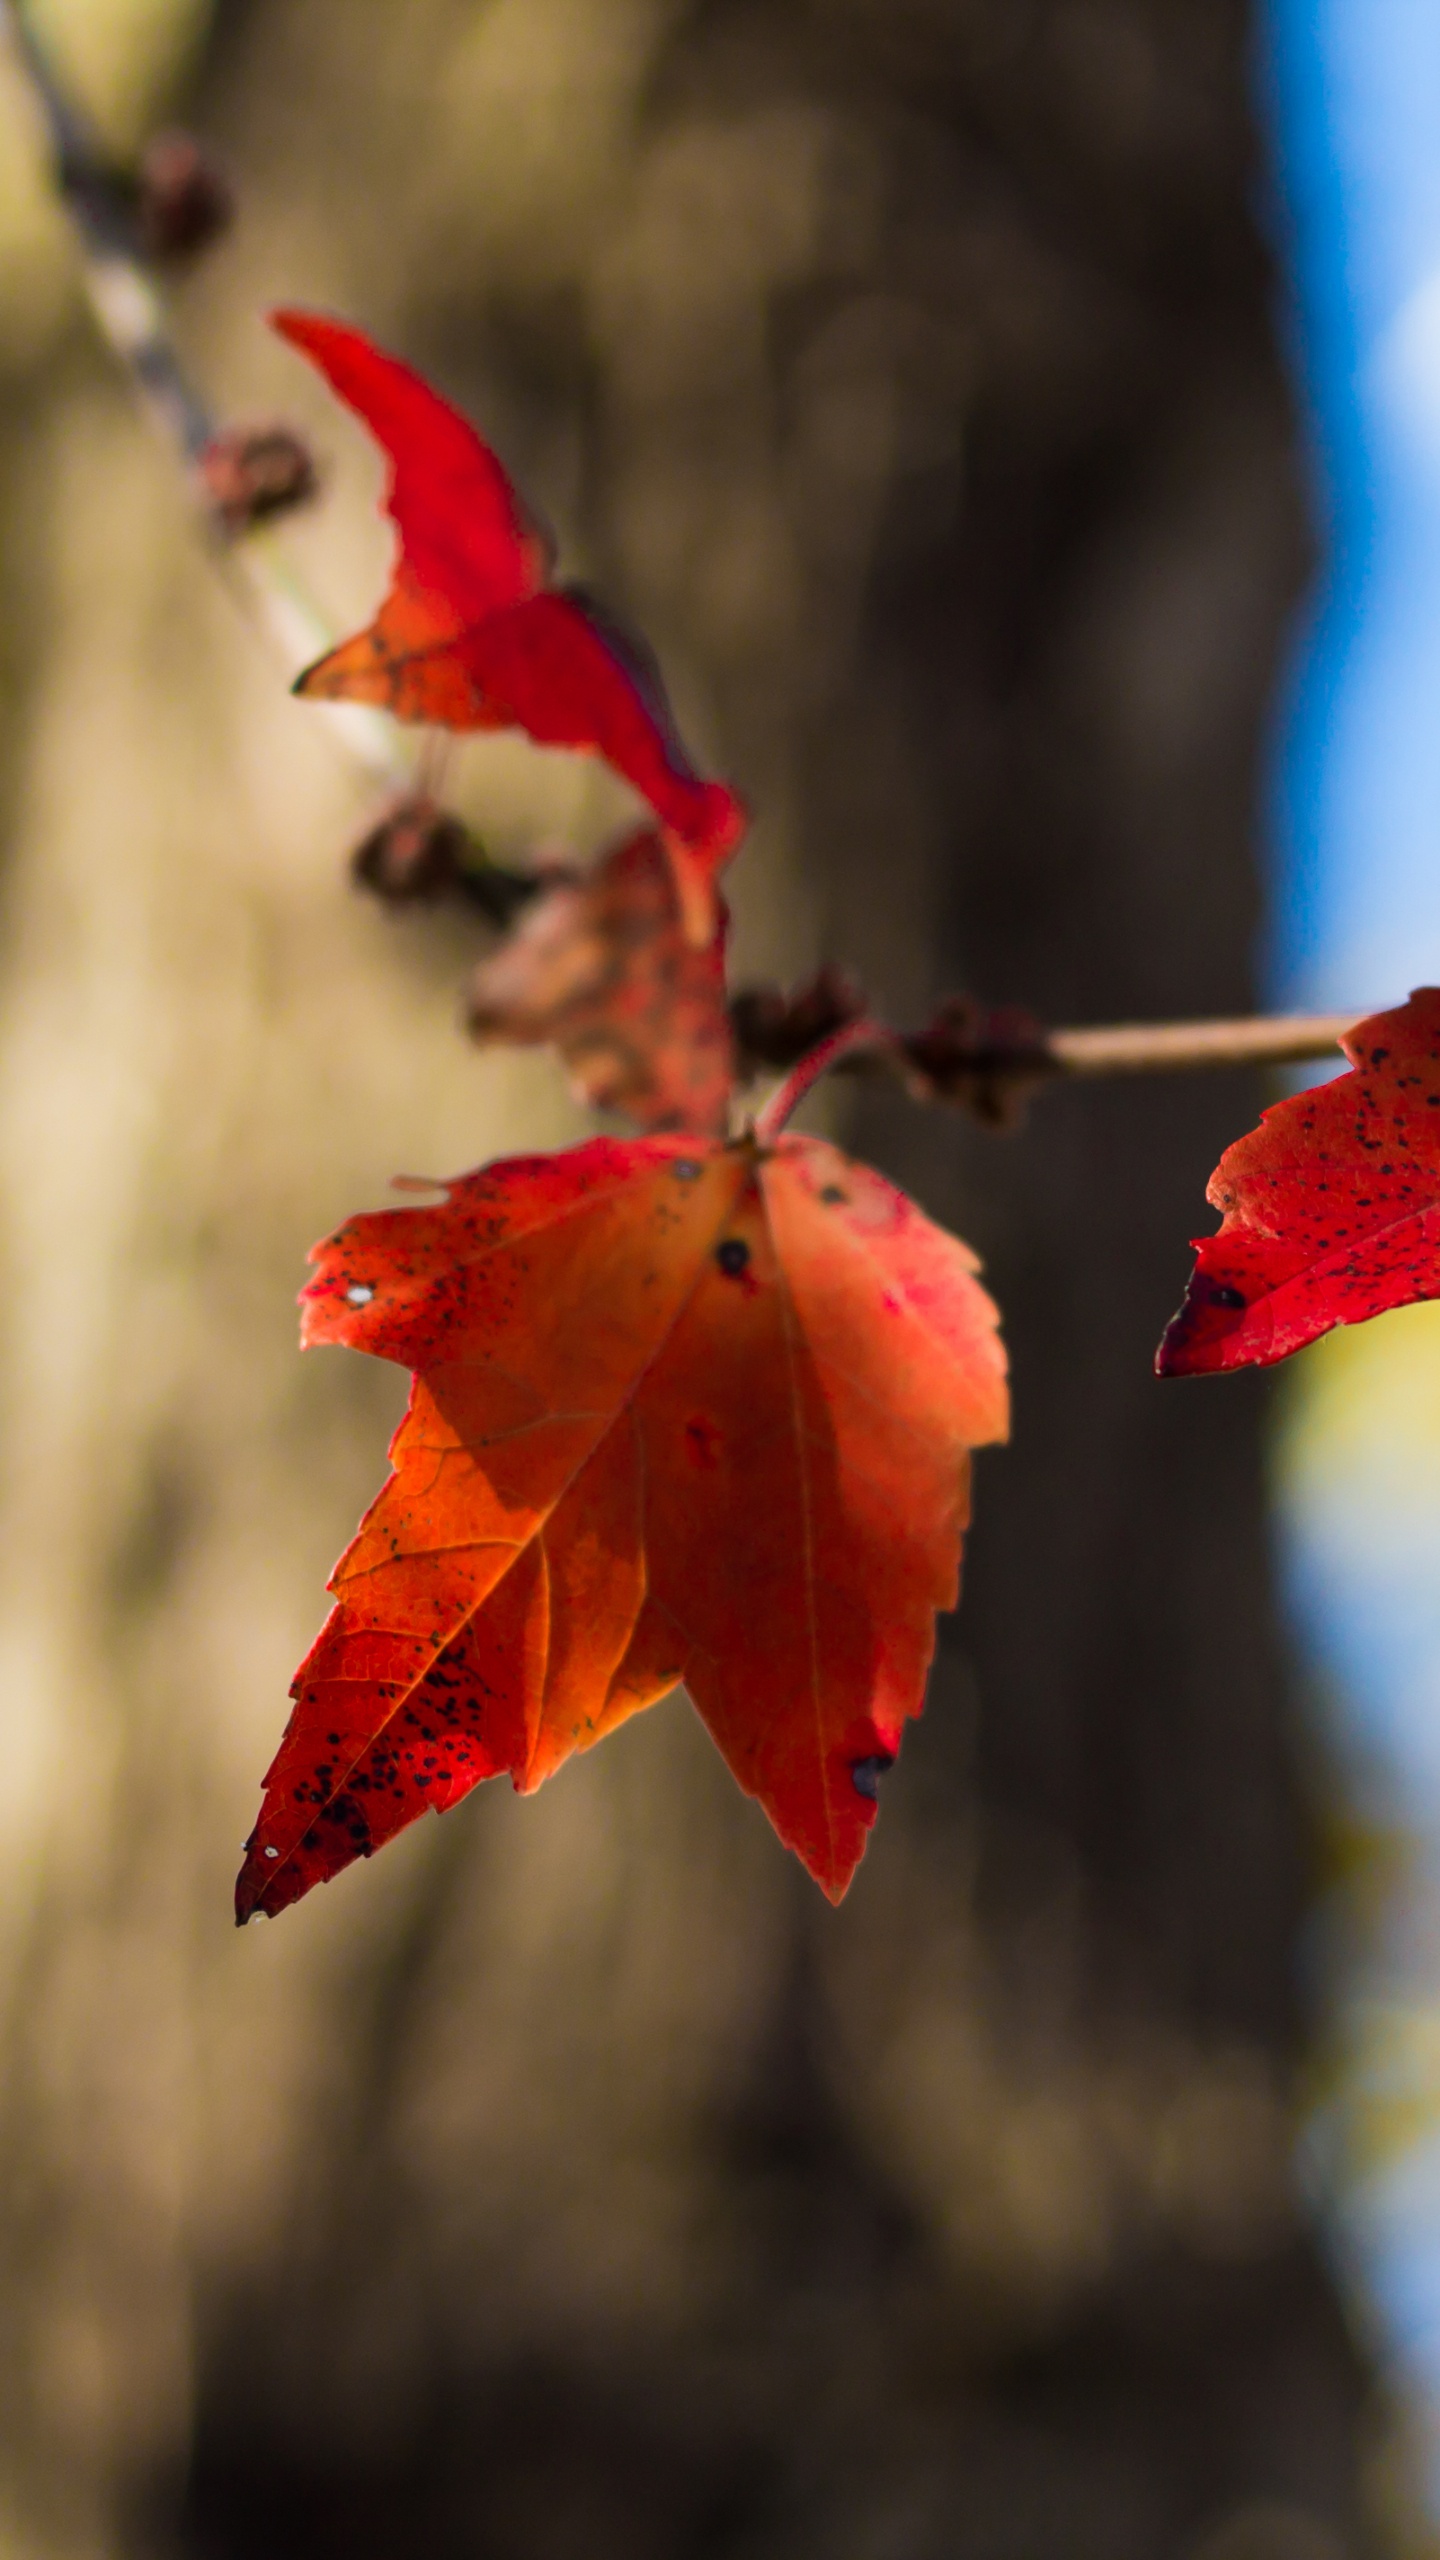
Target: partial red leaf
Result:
[[682, 1411], [466, 540], [1332, 1206], [600, 966], [473, 635]]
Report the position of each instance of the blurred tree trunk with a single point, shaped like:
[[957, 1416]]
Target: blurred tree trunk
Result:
[[574, 2181]]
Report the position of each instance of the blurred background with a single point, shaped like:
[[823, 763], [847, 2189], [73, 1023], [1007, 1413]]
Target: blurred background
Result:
[[1355, 97], [958, 393]]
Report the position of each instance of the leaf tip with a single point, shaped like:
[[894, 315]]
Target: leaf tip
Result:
[[305, 685], [290, 322], [1170, 1360], [1203, 1335]]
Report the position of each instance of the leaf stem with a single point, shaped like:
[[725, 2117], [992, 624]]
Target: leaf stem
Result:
[[838, 1046]]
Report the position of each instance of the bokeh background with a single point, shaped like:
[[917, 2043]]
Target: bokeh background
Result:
[[1354, 99], [923, 376]]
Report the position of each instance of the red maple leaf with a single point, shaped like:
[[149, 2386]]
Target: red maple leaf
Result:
[[1332, 1206], [683, 1410], [473, 634]]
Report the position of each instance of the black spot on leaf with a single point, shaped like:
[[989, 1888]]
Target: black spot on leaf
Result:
[[865, 1775]]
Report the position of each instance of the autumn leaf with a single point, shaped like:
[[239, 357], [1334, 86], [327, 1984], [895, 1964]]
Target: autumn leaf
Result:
[[683, 1410], [599, 965], [475, 635], [1332, 1206]]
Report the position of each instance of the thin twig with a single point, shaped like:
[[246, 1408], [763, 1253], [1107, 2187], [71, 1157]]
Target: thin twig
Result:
[[129, 310], [1168, 1048]]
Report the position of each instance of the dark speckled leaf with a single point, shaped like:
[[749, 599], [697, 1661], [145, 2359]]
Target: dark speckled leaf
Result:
[[1332, 1206]]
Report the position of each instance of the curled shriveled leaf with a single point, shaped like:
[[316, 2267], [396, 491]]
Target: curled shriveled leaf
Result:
[[778, 1026], [683, 1410], [183, 200], [1332, 1206], [600, 966], [474, 634], [418, 853], [412, 856], [250, 475], [988, 1059]]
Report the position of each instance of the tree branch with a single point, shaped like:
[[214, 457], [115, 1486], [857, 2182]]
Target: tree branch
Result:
[[992, 1060], [1168, 1048], [987, 1060]]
